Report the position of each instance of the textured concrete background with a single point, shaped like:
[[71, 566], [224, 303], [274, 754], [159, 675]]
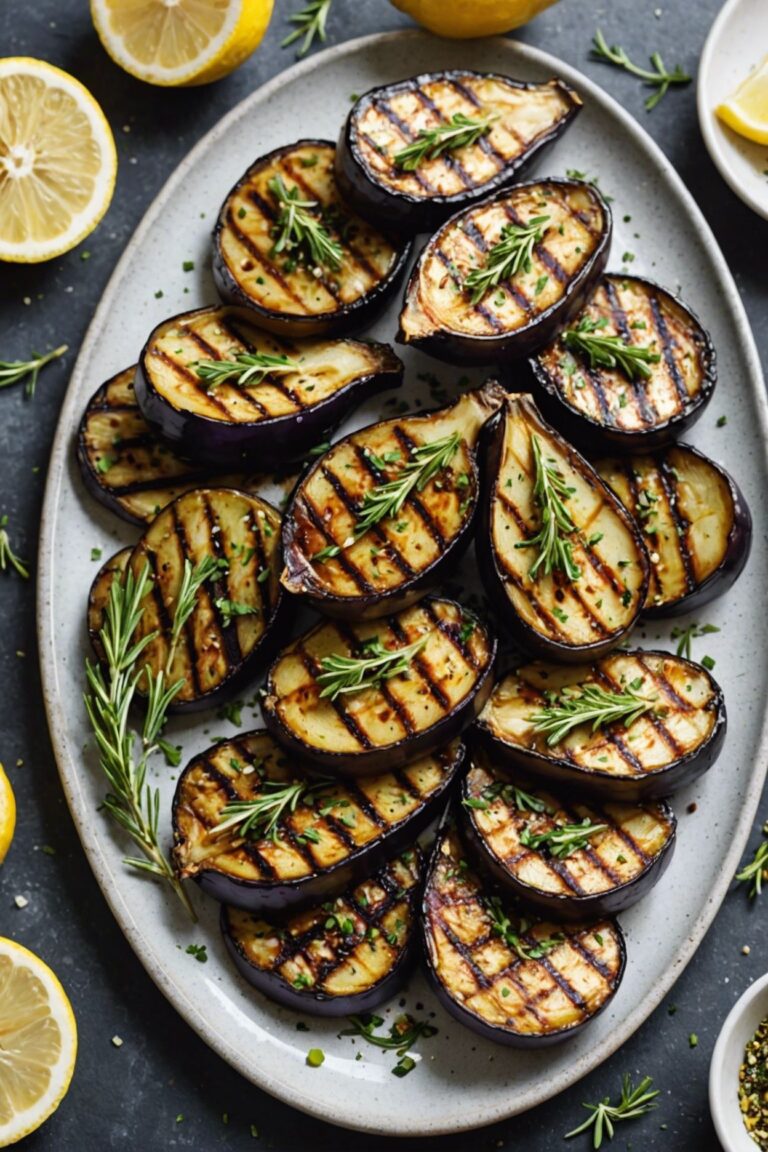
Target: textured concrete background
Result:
[[135, 1096]]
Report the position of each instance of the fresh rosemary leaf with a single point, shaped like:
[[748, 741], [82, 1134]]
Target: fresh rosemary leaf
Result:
[[347, 674], [12, 371], [563, 839], [247, 368], [609, 351], [512, 253], [660, 79], [550, 492], [686, 636], [7, 554], [459, 132], [231, 608], [634, 1102], [757, 869], [386, 500], [299, 230], [590, 705], [403, 1034], [511, 794], [260, 817], [310, 23], [512, 936]]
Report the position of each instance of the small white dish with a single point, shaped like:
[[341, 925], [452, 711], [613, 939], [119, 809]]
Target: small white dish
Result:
[[740, 1025], [737, 42]]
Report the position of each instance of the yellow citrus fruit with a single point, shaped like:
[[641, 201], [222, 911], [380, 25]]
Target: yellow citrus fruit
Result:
[[7, 815], [463, 19], [57, 161], [38, 1042], [746, 111], [180, 42]]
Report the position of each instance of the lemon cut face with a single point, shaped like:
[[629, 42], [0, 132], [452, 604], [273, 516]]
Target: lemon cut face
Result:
[[38, 1042], [7, 814], [746, 111], [57, 161]]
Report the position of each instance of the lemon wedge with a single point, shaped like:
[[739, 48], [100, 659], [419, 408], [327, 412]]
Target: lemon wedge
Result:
[[38, 1042], [460, 20], [746, 111], [180, 42], [7, 814], [57, 161]]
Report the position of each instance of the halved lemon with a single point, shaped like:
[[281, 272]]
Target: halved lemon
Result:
[[57, 161], [180, 42], [463, 19], [746, 111], [7, 814], [38, 1042]]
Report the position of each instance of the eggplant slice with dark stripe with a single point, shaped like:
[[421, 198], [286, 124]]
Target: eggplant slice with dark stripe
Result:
[[520, 314], [127, 467], [603, 874], [696, 522], [383, 727], [288, 293], [269, 418], [354, 572], [508, 976], [343, 956], [98, 596], [668, 747], [599, 407], [554, 615], [336, 835], [525, 119]]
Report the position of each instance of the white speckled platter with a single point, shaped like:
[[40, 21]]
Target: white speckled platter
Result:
[[460, 1082]]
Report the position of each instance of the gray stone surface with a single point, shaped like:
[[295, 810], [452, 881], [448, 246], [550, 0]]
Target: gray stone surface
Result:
[[163, 1088]]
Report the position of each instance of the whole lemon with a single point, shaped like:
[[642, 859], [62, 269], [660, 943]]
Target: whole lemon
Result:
[[463, 19]]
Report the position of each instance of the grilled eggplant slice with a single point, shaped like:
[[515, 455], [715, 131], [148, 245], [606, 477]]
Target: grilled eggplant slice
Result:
[[239, 614], [600, 408], [696, 523], [521, 313], [601, 875], [554, 615], [127, 467], [290, 294], [385, 726], [344, 569], [525, 119], [98, 597], [509, 977], [267, 419], [345, 955], [335, 837], [666, 748]]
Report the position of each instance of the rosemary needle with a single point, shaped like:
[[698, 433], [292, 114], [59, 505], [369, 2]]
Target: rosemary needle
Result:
[[310, 23], [590, 705], [609, 351], [346, 674], [634, 1102], [660, 79], [512, 253], [247, 368], [299, 230], [261, 816], [7, 554], [550, 492], [12, 371], [460, 131]]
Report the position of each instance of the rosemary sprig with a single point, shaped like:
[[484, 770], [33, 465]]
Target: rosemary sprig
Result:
[[591, 704], [757, 869], [12, 371], [511, 253], [660, 79], [386, 500], [460, 131], [403, 1034], [510, 794], [247, 368], [260, 817], [503, 927], [634, 1102], [686, 636], [299, 231], [550, 492], [192, 580], [7, 554], [609, 351], [310, 22], [563, 839], [347, 674], [231, 608]]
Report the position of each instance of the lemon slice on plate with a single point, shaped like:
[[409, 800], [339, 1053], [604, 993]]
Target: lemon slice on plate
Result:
[[180, 42], [7, 814], [57, 161], [461, 20], [746, 111], [38, 1042]]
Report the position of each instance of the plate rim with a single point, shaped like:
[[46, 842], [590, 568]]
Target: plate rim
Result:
[[66, 764]]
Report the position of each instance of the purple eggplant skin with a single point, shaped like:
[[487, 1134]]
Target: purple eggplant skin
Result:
[[268, 443], [455, 347], [296, 895], [411, 214], [341, 322]]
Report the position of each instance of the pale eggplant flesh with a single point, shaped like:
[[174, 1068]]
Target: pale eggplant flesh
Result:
[[336, 835], [239, 614], [526, 119], [538, 983], [287, 294], [696, 522], [345, 955], [553, 615], [128, 467], [354, 574], [524, 312], [613, 869], [265, 421], [382, 727], [600, 408], [667, 748]]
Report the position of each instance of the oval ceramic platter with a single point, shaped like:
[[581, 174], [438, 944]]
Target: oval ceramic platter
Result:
[[460, 1081]]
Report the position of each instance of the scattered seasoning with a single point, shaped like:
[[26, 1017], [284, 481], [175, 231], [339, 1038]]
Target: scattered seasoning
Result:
[[198, 951], [20, 901], [693, 1040], [721, 421], [117, 1041], [95, 553], [188, 266], [254, 1132], [315, 1057], [746, 950]]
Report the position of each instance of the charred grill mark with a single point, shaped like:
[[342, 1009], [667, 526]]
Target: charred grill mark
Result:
[[254, 252], [473, 233], [358, 797], [448, 629], [663, 686], [312, 666], [669, 487], [490, 317], [399, 709], [458, 945], [633, 845], [668, 344], [447, 158], [420, 664], [576, 942], [541, 250], [626, 753], [388, 542], [346, 499], [226, 636], [191, 377], [257, 563], [560, 979], [275, 379], [187, 632], [342, 559], [408, 445], [214, 354], [646, 410], [386, 110], [484, 142]]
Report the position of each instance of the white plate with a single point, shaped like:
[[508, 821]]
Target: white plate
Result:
[[737, 42], [461, 1082]]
